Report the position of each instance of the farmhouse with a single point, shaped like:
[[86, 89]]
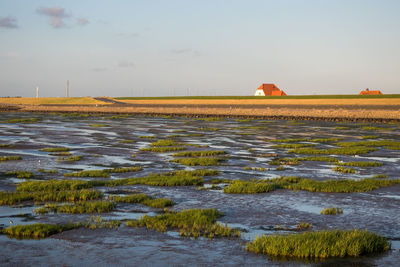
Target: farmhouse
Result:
[[269, 89], [368, 92]]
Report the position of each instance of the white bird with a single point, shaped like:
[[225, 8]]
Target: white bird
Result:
[[38, 161], [11, 222]]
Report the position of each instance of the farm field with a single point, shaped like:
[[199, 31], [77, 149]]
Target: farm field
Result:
[[115, 189]]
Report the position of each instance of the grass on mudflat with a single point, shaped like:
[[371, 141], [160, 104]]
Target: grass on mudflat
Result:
[[12, 198], [146, 137], [47, 171], [98, 125], [126, 141], [97, 206], [360, 164], [202, 161], [22, 120], [295, 183], [331, 211], [199, 153], [379, 176], [190, 223], [292, 145], [37, 230], [304, 226], [343, 170], [353, 150], [369, 137], [89, 173], [20, 174], [143, 199], [70, 159], [6, 158], [163, 149], [99, 223], [321, 244], [166, 142], [55, 149], [254, 168], [125, 169]]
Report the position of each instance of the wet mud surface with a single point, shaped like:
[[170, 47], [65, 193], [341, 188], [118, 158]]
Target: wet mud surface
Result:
[[255, 214]]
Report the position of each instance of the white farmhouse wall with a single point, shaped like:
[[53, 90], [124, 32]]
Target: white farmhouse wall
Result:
[[259, 93]]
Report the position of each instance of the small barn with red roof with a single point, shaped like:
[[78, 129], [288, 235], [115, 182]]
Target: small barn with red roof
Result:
[[269, 89], [368, 92]]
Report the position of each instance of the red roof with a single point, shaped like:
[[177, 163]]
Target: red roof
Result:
[[271, 89], [368, 92]]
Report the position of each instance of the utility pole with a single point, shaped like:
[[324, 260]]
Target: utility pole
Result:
[[67, 88], [37, 91]]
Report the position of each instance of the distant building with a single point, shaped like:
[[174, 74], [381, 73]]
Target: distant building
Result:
[[368, 92], [269, 89]]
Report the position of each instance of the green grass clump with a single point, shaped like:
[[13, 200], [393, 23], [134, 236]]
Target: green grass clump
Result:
[[163, 149], [304, 225], [379, 143], [125, 169], [53, 185], [37, 230], [292, 145], [369, 137], [144, 199], [354, 150], [20, 174], [89, 173], [6, 145], [361, 164], [97, 206], [340, 186], [166, 142], [98, 125], [252, 187], [127, 141], [60, 154], [343, 170], [28, 120], [210, 119], [319, 158], [6, 158], [47, 171], [70, 159], [99, 223], [371, 128], [55, 149], [295, 183], [190, 223], [12, 198], [379, 176], [331, 211], [179, 131], [342, 128], [202, 161], [146, 136], [199, 153], [321, 244]]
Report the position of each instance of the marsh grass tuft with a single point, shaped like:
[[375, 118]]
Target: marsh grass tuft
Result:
[[6, 158], [202, 161], [190, 223], [20, 174], [97, 206], [143, 199], [360, 164], [55, 149], [199, 153], [37, 230], [70, 159], [331, 211], [321, 244], [343, 170], [89, 173]]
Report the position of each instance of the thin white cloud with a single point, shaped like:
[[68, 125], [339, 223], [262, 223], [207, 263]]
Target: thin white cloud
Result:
[[56, 15], [8, 22], [82, 21]]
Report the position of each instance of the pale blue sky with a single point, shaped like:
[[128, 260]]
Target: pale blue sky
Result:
[[213, 47]]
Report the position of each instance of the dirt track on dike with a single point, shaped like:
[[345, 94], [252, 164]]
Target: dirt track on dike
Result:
[[383, 110]]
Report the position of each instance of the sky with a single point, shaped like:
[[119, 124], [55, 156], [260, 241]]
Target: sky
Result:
[[198, 47]]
